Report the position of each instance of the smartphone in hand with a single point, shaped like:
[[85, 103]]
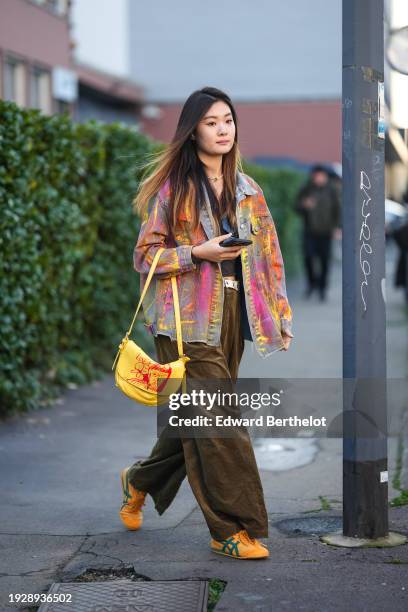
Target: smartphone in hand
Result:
[[234, 241]]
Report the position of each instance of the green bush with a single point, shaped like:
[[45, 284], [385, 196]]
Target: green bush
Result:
[[67, 233]]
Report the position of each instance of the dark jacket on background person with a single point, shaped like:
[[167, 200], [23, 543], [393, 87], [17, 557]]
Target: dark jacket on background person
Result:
[[326, 215]]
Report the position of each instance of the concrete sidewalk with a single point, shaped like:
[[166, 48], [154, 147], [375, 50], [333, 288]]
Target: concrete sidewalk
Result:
[[60, 492]]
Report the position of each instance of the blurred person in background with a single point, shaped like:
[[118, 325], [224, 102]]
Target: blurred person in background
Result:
[[318, 203]]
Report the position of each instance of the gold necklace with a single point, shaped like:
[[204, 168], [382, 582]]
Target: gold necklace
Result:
[[214, 178]]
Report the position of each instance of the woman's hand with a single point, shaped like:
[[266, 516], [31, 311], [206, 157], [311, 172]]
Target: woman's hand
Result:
[[212, 251], [287, 337]]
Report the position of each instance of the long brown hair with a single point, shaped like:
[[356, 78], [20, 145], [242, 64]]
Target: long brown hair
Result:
[[180, 163]]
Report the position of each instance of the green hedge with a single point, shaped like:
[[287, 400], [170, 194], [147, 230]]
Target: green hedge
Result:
[[67, 233], [66, 239]]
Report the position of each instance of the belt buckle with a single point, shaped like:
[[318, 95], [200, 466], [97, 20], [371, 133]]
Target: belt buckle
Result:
[[229, 282]]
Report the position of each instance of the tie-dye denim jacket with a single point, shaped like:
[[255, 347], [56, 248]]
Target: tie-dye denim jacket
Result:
[[265, 310]]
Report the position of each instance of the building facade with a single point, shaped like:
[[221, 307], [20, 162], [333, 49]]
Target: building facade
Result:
[[281, 63], [40, 66]]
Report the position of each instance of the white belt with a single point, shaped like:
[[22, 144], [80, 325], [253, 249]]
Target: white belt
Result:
[[228, 282]]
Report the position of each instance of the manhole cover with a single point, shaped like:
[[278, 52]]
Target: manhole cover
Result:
[[127, 596], [310, 526]]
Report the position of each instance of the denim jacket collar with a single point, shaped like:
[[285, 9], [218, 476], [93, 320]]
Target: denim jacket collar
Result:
[[243, 188]]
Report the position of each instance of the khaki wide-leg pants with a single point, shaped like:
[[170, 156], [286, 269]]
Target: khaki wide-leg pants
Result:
[[222, 472]]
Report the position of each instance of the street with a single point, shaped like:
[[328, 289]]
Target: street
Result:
[[60, 491]]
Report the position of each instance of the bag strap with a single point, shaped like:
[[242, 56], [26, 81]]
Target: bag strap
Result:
[[177, 316], [146, 286], [175, 301]]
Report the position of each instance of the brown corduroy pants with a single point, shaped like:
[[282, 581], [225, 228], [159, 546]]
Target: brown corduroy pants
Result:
[[222, 472]]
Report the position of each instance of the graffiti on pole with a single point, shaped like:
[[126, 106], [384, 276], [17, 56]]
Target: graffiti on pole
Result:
[[365, 234]]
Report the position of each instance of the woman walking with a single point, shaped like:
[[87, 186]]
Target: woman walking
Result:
[[196, 197]]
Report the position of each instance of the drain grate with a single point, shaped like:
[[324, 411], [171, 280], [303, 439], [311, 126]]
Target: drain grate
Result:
[[128, 596], [310, 526]]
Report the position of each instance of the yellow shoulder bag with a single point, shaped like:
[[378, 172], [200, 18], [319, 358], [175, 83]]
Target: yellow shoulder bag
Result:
[[138, 375]]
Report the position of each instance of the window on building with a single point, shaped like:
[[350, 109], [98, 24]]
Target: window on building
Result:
[[40, 90], [14, 85]]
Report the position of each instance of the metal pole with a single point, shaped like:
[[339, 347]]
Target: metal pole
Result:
[[365, 475]]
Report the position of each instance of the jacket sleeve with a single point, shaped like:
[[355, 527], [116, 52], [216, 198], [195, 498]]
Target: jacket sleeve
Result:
[[336, 200], [298, 204], [284, 309], [153, 234]]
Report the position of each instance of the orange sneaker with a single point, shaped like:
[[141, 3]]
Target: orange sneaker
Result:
[[240, 546], [131, 510]]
